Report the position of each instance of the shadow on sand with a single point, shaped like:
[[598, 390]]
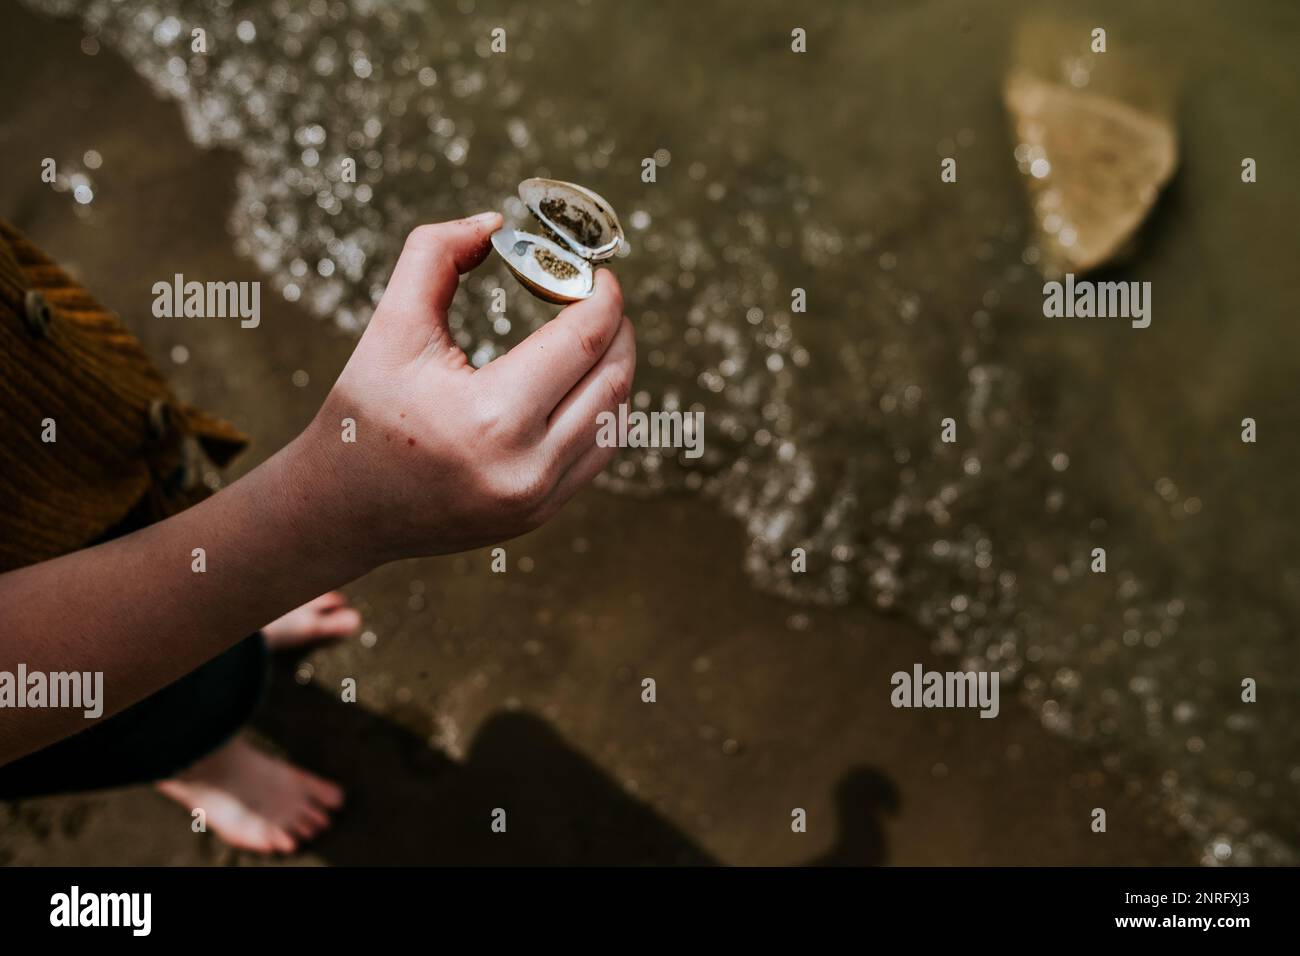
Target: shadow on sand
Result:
[[409, 804]]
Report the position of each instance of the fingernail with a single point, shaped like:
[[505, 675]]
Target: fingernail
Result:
[[484, 217]]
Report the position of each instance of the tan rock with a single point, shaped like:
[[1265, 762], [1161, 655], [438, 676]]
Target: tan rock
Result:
[[1094, 168]]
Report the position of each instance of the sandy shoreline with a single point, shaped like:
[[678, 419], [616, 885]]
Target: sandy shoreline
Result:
[[523, 688]]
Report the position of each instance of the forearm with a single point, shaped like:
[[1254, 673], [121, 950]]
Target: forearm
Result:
[[137, 610]]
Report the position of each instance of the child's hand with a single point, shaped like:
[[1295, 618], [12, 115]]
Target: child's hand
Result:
[[448, 457], [445, 458]]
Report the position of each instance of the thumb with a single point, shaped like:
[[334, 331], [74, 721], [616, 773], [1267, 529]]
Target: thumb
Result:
[[428, 271]]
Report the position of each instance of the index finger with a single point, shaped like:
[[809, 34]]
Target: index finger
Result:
[[544, 367]]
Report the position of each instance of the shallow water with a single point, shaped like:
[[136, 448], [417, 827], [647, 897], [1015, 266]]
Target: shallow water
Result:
[[777, 171]]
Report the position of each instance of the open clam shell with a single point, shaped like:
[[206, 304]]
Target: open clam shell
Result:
[[543, 267], [578, 230]]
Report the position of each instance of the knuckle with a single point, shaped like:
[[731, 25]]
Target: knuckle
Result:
[[618, 385], [522, 492], [426, 238], [542, 514], [495, 418], [591, 340], [488, 415]]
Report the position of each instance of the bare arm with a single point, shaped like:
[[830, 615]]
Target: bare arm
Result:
[[446, 458], [135, 610]]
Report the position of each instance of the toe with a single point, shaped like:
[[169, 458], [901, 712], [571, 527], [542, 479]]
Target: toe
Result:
[[311, 821], [280, 840], [327, 794], [340, 623], [260, 843], [327, 602], [244, 831]]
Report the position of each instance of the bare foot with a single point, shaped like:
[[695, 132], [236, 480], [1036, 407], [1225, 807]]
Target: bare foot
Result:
[[254, 801], [328, 617]]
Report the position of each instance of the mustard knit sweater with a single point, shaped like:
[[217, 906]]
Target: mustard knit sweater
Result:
[[92, 441]]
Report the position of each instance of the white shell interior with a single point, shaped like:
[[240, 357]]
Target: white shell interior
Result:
[[580, 218], [527, 255]]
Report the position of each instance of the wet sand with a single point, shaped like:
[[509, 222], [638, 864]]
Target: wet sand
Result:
[[523, 690]]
